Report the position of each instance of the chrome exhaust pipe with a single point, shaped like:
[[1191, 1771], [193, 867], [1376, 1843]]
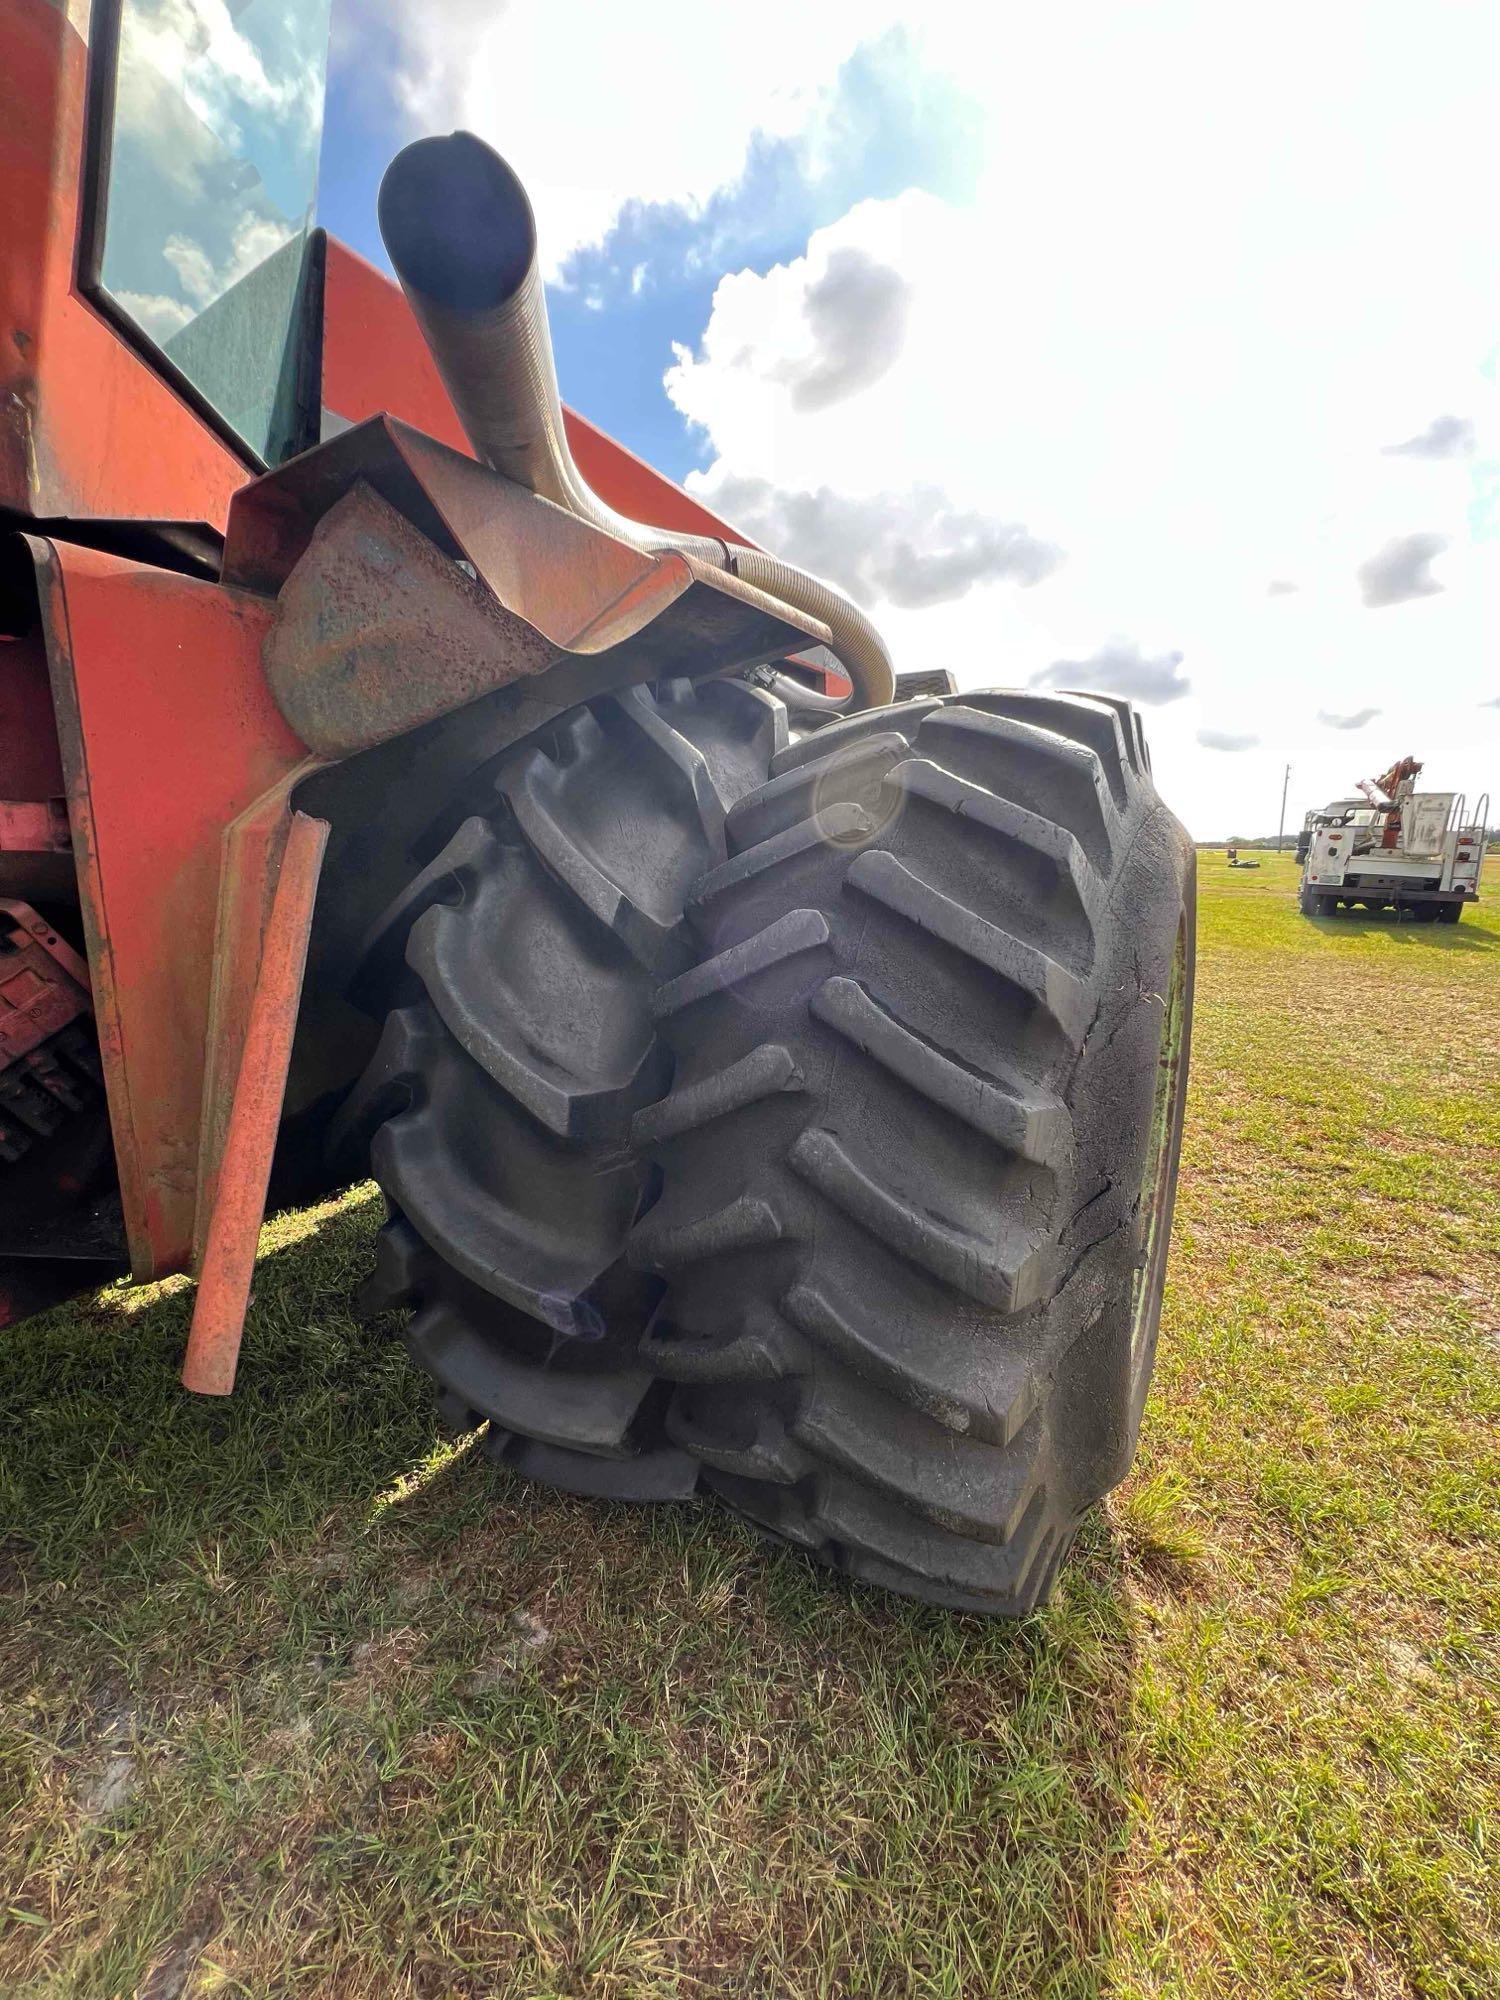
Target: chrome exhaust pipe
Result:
[[462, 238]]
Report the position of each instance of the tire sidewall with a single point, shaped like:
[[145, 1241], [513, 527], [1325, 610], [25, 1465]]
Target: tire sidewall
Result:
[[1105, 1373]]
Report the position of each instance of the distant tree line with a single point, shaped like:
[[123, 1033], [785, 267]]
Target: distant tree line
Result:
[[1289, 840]]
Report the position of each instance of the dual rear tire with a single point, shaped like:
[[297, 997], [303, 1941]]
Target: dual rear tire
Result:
[[798, 1121]]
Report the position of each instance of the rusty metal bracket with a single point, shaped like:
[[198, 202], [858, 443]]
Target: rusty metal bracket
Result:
[[44, 990], [377, 631], [44, 984], [35, 826], [413, 580]]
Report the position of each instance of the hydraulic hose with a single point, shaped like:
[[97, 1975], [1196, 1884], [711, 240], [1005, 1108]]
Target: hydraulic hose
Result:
[[462, 238], [787, 688]]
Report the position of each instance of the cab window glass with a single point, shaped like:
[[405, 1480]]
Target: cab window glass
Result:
[[211, 182]]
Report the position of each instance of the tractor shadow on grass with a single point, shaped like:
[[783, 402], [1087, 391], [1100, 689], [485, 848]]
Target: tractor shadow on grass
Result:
[[752, 1764], [1433, 937]]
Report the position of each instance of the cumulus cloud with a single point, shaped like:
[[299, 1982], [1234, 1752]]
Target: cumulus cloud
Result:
[[190, 79], [1224, 739], [1401, 570], [803, 339], [1121, 667], [195, 269], [157, 314], [1445, 437], [204, 278], [677, 135], [856, 315], [1356, 721], [910, 549], [423, 58]]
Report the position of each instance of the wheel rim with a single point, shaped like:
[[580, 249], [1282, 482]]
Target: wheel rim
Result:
[[1157, 1179]]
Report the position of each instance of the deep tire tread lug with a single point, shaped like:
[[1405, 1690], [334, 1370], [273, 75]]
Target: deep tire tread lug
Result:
[[501, 1135], [1023, 1118], [765, 1072], [1007, 1277], [972, 1390], [920, 778], [843, 824], [747, 1223], [1060, 994], [797, 932], [814, 788]]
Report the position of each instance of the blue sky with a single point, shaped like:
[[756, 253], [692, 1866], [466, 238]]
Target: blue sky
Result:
[[1149, 347], [621, 301]]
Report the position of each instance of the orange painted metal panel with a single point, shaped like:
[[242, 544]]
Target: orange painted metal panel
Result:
[[86, 427], [168, 734], [29, 764], [244, 1169], [374, 359]]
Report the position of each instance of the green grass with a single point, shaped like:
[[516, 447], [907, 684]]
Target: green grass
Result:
[[269, 1725]]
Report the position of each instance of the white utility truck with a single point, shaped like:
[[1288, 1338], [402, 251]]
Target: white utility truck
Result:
[[1393, 847]]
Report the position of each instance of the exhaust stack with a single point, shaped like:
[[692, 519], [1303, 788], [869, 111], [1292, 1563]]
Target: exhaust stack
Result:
[[462, 238]]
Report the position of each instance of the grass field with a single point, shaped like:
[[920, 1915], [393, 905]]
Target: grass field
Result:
[[297, 1698]]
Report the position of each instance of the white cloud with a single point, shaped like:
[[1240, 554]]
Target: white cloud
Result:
[[194, 267], [1226, 739], [1121, 667], [1356, 721], [1401, 570], [159, 315], [178, 55], [205, 279], [856, 321], [908, 549], [595, 104], [778, 379], [1445, 437]]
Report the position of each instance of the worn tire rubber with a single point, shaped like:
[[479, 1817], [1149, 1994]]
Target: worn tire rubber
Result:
[[518, 970], [911, 1312]]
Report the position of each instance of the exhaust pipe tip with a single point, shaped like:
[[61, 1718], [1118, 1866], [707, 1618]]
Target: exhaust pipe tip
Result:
[[457, 223]]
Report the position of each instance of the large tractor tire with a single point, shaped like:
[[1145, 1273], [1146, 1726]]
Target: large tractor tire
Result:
[[920, 1150], [516, 972]]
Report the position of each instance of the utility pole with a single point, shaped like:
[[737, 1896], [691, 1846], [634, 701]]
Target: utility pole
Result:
[[1281, 823]]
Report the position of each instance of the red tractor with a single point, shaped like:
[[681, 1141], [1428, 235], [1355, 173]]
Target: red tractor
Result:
[[776, 1085]]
